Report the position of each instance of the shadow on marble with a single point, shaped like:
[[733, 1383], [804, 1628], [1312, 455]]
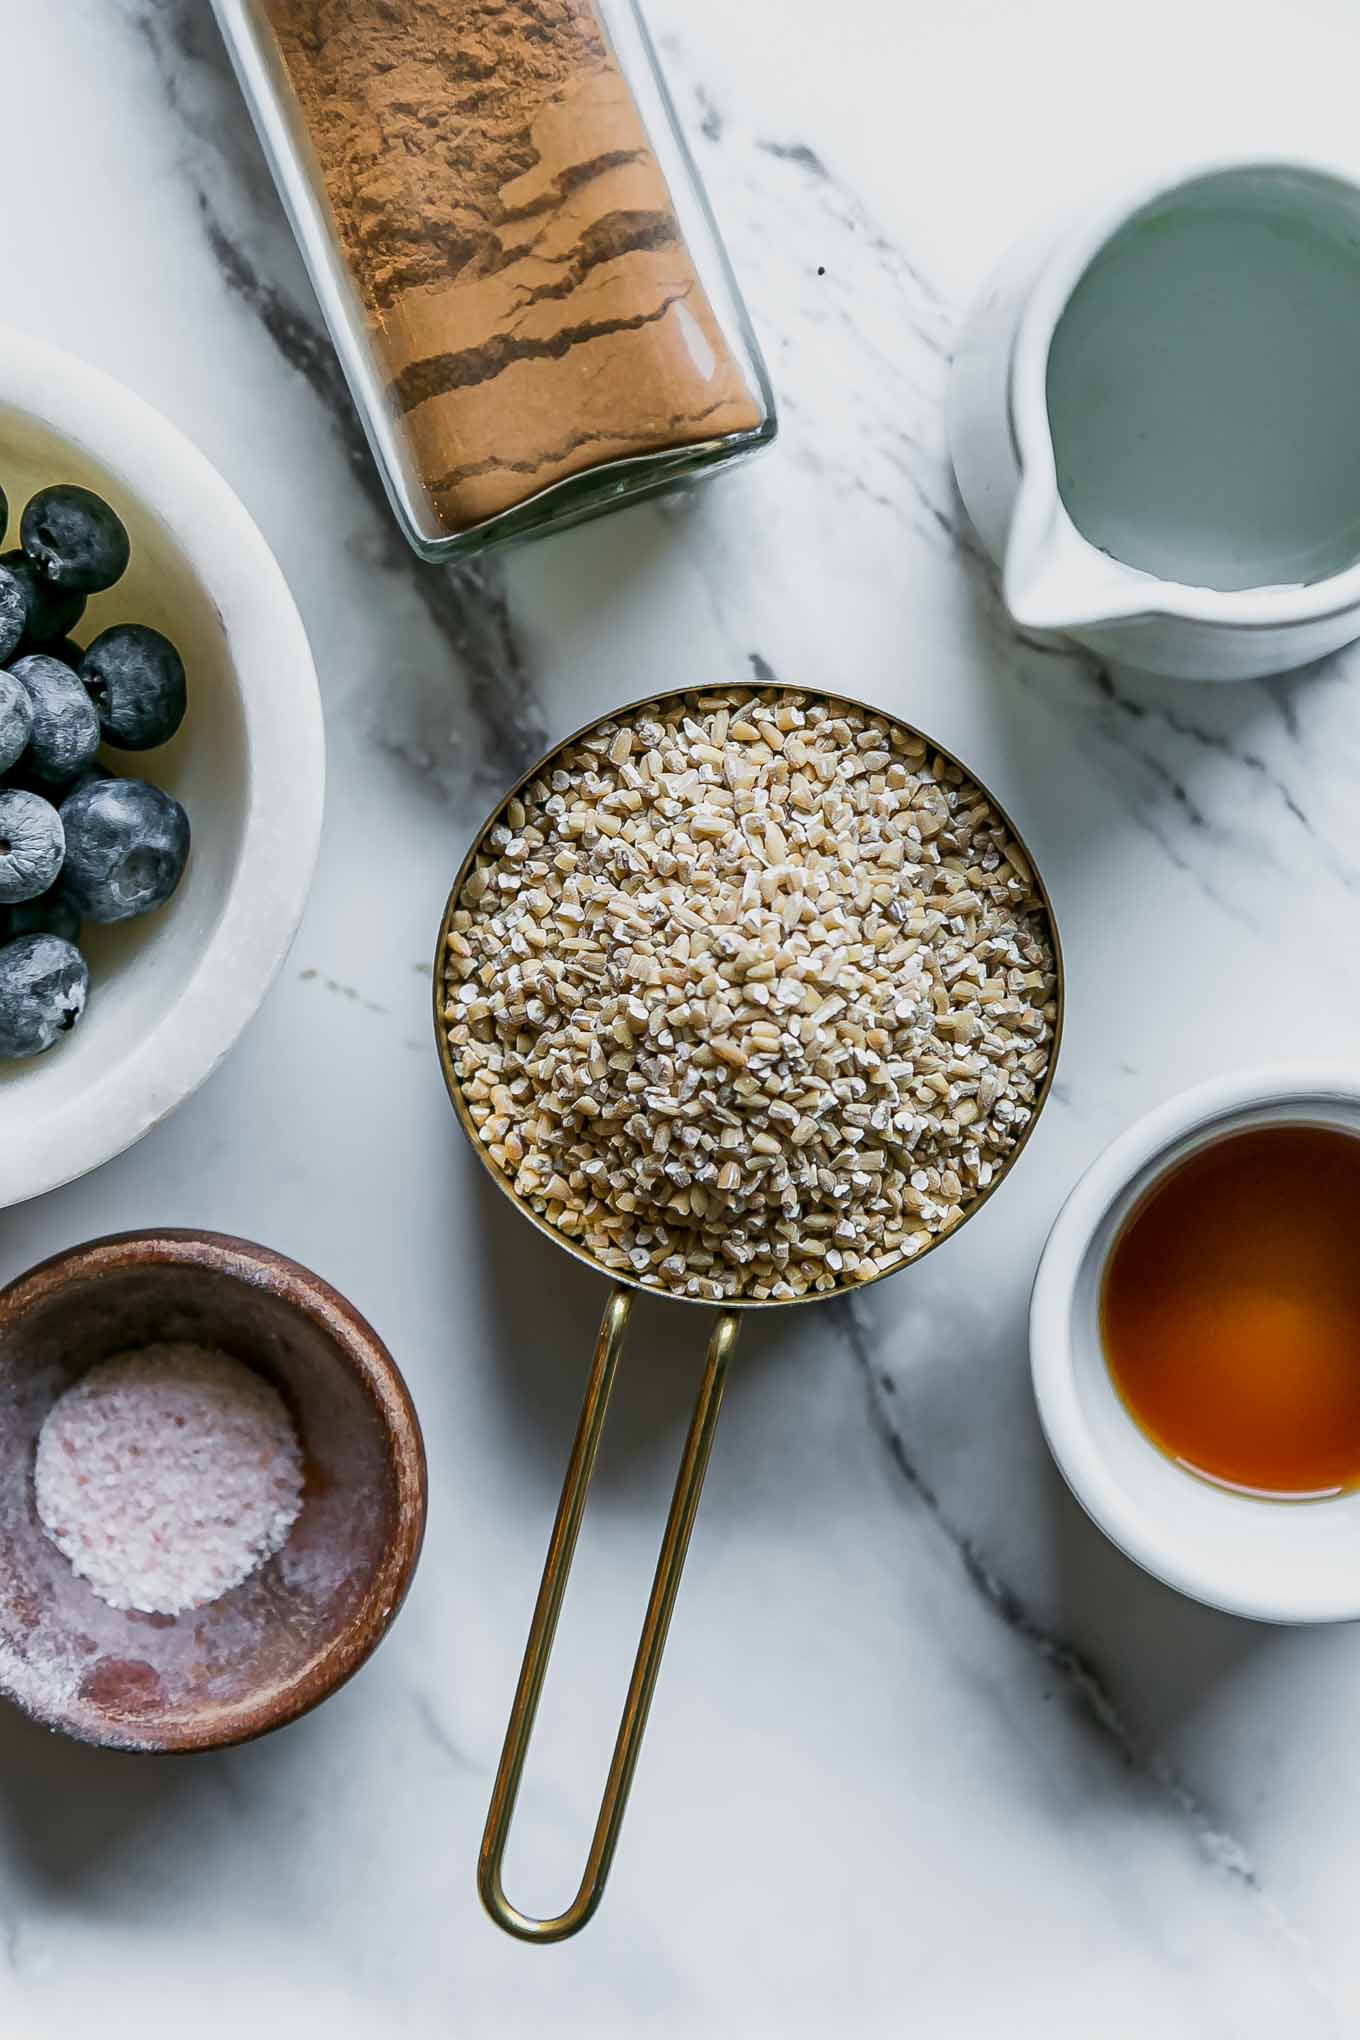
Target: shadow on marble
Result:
[[540, 1312], [68, 1809], [1160, 738], [1166, 1662], [1152, 1673], [105, 1828]]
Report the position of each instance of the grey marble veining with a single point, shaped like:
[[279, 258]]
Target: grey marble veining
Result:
[[926, 1751]]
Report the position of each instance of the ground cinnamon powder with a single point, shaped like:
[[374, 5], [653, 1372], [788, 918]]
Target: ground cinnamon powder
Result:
[[513, 240]]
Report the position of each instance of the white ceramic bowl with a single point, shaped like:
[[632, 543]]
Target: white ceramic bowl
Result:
[[169, 993], [1271, 1560]]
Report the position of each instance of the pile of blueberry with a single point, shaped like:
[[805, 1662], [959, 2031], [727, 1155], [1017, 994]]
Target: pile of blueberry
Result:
[[77, 843]]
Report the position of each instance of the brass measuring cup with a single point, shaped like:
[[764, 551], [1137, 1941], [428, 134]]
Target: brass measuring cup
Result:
[[600, 1384]]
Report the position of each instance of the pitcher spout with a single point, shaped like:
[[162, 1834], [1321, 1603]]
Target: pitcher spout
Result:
[[1055, 581]]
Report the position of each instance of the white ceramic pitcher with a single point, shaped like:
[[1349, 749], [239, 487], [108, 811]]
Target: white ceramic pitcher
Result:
[[1180, 370]]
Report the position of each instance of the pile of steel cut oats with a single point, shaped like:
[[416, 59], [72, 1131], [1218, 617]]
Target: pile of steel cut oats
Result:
[[749, 995]]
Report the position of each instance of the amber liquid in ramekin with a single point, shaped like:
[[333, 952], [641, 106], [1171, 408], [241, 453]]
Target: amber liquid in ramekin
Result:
[[1230, 1312]]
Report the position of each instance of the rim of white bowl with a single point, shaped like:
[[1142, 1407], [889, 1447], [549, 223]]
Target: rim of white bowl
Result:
[[281, 836], [1140, 1533]]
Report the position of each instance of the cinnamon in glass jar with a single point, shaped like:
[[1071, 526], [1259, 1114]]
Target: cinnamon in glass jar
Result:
[[536, 315]]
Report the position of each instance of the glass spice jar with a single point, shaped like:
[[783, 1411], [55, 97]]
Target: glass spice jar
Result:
[[512, 250]]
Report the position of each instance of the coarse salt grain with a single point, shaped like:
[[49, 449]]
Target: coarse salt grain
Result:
[[168, 1475]]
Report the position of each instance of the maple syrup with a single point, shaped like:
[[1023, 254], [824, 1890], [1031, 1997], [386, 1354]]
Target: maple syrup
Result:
[[1230, 1312]]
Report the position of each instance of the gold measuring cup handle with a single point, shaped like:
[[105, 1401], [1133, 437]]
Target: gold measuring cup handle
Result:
[[689, 1483]]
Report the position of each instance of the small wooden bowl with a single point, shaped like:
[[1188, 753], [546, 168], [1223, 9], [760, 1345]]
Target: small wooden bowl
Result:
[[282, 1641]]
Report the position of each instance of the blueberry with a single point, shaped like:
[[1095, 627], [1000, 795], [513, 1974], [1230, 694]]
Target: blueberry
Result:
[[73, 538], [65, 726], [13, 612], [51, 611], [126, 847], [16, 720], [4, 512], [43, 986], [32, 843], [135, 678], [51, 913]]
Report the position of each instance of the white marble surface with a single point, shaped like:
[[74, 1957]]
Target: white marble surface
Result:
[[927, 1755]]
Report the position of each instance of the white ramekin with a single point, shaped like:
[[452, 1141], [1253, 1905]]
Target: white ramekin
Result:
[[1275, 1561], [170, 993]]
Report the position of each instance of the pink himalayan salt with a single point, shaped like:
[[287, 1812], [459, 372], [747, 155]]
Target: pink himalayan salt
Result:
[[166, 1476]]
